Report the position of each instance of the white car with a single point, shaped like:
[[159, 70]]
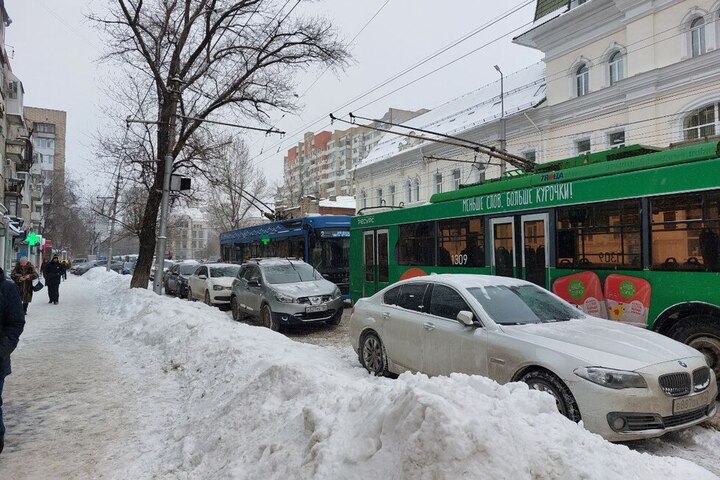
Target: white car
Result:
[[212, 283], [623, 382]]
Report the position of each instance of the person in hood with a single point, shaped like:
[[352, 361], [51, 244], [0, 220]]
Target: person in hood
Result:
[[12, 322], [54, 271], [23, 275]]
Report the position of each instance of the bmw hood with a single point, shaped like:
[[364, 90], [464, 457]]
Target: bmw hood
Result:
[[304, 289], [603, 343]]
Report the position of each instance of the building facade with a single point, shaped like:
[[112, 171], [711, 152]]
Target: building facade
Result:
[[192, 237], [615, 72], [321, 164]]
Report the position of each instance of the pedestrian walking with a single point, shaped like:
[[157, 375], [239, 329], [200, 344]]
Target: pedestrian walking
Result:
[[23, 275], [54, 271], [12, 322]]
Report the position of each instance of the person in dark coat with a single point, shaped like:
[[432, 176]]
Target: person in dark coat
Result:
[[12, 322], [23, 275], [54, 271]]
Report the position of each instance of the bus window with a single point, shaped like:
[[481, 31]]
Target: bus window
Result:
[[605, 235], [685, 232], [460, 242], [416, 244]]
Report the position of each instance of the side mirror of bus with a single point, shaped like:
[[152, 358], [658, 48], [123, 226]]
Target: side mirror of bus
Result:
[[466, 318]]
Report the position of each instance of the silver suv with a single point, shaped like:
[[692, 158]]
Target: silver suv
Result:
[[282, 291]]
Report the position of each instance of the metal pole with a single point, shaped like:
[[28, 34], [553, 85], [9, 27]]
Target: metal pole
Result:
[[503, 139], [164, 205], [112, 221]]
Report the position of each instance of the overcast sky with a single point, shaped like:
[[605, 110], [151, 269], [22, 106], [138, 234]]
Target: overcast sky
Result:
[[54, 49]]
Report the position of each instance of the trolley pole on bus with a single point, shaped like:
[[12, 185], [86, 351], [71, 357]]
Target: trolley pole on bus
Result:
[[503, 139]]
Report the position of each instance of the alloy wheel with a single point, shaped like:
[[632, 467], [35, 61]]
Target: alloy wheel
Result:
[[372, 353]]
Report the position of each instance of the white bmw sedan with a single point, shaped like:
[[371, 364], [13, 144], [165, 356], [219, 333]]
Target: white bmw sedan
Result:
[[623, 382]]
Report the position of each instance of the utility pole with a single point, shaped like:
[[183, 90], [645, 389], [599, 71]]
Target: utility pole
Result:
[[503, 139], [112, 220], [164, 205]]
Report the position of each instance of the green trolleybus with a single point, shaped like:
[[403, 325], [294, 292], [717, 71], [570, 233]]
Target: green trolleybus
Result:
[[630, 234]]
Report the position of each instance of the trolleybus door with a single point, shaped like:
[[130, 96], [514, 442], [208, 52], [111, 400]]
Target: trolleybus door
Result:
[[534, 248], [376, 260], [502, 233]]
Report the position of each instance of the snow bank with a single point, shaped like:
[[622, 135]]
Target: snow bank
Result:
[[259, 405]]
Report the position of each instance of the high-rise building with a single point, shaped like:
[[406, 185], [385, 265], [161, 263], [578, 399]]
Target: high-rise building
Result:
[[321, 164], [48, 139]]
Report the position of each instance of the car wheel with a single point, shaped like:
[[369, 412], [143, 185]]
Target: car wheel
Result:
[[335, 320], [235, 309], [703, 334], [208, 301], [547, 382], [267, 318], [190, 295], [372, 354]]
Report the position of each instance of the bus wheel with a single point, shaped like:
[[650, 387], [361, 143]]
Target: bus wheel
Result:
[[702, 332]]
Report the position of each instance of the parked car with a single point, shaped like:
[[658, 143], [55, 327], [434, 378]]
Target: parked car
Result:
[[82, 269], [622, 381], [176, 279], [212, 283], [166, 266], [284, 292]]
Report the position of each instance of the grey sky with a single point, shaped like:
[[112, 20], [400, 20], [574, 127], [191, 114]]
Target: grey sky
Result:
[[54, 48]]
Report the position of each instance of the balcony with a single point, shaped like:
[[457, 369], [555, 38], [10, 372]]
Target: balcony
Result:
[[36, 192], [14, 103]]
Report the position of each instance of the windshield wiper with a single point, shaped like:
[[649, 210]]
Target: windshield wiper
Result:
[[293, 267]]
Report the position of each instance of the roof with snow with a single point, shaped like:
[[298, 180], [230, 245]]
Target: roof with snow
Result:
[[523, 90], [339, 202]]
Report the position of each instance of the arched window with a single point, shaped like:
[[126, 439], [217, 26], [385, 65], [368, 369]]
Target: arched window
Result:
[[416, 187], [697, 37], [363, 199], [616, 64], [408, 192], [704, 122], [582, 80]]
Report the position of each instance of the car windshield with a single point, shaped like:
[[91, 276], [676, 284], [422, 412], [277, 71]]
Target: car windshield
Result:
[[188, 269], [522, 304], [290, 273], [227, 271]]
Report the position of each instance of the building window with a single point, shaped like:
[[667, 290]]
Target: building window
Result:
[[392, 194], [480, 173], [416, 187], [456, 179], [701, 123], [44, 128], [363, 199], [617, 67], [530, 156], [582, 146], [379, 196], [438, 181], [697, 36], [408, 192], [582, 80], [616, 139]]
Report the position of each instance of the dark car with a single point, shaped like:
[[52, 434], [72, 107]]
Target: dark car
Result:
[[83, 268], [176, 278]]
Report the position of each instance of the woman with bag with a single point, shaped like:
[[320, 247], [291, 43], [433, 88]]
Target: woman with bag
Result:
[[23, 275]]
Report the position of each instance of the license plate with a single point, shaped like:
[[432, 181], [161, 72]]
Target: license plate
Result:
[[315, 308], [691, 403]]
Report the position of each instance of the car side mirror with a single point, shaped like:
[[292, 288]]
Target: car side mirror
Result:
[[253, 283], [202, 277], [466, 318]]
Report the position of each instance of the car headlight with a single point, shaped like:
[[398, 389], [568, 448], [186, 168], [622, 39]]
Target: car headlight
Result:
[[610, 378], [336, 293], [283, 298], [218, 287]]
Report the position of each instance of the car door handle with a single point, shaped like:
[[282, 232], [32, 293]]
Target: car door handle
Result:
[[386, 315], [429, 326]]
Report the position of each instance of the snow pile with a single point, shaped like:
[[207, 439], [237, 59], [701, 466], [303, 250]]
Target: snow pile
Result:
[[259, 405]]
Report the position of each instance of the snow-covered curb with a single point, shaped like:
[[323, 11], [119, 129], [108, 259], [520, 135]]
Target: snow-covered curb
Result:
[[259, 405]]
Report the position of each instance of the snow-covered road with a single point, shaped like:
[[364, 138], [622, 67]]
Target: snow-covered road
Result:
[[114, 383]]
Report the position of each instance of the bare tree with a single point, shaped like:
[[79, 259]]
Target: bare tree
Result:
[[66, 221], [235, 186], [197, 58]]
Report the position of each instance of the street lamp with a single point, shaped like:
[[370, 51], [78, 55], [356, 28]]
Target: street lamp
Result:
[[503, 139]]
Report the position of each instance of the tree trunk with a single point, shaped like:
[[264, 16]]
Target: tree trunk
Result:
[[141, 274]]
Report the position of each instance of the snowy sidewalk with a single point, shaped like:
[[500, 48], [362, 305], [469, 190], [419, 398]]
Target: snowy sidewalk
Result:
[[68, 406]]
